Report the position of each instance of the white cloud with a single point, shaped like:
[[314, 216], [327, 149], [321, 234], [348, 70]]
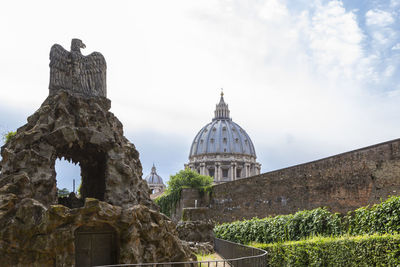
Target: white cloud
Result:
[[298, 76], [395, 3], [396, 47], [379, 18], [273, 10], [335, 39]]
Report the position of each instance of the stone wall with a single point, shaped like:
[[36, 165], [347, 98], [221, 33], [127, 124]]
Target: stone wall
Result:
[[342, 183], [188, 199]]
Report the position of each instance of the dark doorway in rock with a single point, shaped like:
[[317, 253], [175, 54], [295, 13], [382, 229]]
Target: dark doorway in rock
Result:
[[95, 245], [92, 162]]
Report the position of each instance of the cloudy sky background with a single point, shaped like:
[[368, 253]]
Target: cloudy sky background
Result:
[[305, 79]]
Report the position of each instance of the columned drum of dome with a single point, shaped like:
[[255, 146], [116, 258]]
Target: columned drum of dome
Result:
[[155, 182], [223, 149]]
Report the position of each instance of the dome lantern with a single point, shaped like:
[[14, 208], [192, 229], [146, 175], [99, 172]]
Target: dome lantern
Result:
[[221, 110]]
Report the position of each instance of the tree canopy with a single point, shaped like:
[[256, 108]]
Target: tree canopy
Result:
[[188, 179], [183, 179], [62, 192]]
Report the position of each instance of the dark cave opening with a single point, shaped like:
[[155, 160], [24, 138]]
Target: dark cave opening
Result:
[[92, 162]]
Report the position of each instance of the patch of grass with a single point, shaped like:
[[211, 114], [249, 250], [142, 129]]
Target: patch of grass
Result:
[[207, 257]]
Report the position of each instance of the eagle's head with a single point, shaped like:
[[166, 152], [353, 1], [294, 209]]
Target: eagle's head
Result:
[[76, 45]]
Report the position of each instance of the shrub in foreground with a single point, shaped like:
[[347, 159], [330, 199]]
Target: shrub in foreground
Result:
[[368, 250], [380, 218], [281, 228]]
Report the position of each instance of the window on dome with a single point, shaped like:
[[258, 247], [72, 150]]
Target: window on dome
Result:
[[212, 140], [237, 140], [233, 129], [238, 173], [214, 129], [224, 140], [225, 173], [211, 172], [224, 128], [201, 141]]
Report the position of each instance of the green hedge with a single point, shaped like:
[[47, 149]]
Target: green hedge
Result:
[[282, 228], [380, 218], [373, 250]]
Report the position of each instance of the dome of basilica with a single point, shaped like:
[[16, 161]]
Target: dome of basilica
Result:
[[155, 182], [222, 136], [223, 149]]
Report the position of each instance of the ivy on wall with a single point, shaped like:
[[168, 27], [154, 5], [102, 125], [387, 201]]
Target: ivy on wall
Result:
[[183, 179]]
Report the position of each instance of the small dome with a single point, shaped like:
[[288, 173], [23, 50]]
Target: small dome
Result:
[[222, 135], [153, 177]]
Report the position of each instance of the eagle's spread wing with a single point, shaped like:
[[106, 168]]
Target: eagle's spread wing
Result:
[[77, 73], [92, 74], [60, 68]]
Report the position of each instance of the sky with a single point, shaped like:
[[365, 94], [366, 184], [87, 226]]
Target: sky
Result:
[[306, 79]]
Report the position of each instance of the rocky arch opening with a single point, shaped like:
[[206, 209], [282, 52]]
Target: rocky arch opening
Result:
[[68, 179], [92, 162]]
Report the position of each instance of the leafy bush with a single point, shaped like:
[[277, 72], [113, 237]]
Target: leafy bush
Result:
[[368, 250], [183, 179], [8, 136], [380, 218], [282, 228]]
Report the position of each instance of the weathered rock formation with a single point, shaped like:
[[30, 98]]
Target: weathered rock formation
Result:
[[118, 219], [196, 231], [83, 131]]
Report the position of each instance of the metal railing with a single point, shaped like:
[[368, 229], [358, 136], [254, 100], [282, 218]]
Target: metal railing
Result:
[[234, 254], [238, 255]]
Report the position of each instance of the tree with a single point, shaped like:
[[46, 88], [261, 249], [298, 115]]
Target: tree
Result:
[[62, 192], [188, 179]]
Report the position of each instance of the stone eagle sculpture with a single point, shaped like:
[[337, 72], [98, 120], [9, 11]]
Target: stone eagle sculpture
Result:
[[77, 73]]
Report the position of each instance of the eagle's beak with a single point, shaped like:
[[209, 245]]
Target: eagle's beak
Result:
[[83, 45]]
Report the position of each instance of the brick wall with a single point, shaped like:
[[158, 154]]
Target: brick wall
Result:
[[342, 182]]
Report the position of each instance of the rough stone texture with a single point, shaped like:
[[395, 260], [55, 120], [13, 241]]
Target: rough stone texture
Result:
[[187, 200], [202, 248], [35, 231], [195, 214], [34, 235], [196, 231], [198, 234], [81, 130], [343, 182]]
